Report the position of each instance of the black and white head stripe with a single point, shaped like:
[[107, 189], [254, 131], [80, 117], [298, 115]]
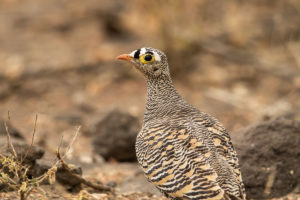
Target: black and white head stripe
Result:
[[137, 53]]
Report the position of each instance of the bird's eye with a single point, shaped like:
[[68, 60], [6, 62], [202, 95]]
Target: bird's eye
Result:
[[147, 58]]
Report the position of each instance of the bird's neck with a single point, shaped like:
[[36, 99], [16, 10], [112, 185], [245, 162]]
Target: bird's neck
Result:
[[161, 97]]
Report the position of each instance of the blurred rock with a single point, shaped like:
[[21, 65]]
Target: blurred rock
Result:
[[111, 184], [67, 179], [114, 136], [21, 148], [269, 157], [71, 118], [113, 26], [12, 130], [41, 167]]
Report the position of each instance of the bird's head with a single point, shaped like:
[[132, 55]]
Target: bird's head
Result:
[[151, 62]]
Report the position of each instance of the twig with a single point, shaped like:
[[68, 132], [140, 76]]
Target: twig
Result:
[[32, 139], [60, 143], [72, 142], [80, 179], [27, 193], [9, 143], [6, 177], [13, 186], [270, 180]]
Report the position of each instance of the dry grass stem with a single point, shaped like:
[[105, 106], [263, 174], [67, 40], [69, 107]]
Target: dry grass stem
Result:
[[72, 141], [270, 181], [32, 138], [9, 143]]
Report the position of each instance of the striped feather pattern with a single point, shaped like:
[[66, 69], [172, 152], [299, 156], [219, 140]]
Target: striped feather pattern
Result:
[[185, 164]]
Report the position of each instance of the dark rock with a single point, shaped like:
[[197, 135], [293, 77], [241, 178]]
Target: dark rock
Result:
[[114, 136], [12, 131], [70, 118], [40, 169], [269, 154], [111, 184], [21, 148], [33, 153], [64, 177]]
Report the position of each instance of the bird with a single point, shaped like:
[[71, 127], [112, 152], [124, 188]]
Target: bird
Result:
[[186, 153]]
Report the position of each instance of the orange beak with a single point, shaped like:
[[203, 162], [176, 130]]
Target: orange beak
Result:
[[124, 57]]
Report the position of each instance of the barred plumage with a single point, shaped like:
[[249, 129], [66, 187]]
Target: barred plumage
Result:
[[185, 153]]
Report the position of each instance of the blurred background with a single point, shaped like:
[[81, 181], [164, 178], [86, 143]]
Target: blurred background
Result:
[[236, 60]]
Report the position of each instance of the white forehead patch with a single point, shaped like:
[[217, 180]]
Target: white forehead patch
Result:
[[143, 51], [156, 56]]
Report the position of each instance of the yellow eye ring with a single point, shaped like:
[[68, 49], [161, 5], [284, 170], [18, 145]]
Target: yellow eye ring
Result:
[[147, 58]]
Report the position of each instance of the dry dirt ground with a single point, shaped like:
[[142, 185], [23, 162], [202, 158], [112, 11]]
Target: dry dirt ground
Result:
[[236, 60]]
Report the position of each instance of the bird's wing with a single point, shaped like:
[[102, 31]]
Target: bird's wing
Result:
[[177, 162], [217, 138]]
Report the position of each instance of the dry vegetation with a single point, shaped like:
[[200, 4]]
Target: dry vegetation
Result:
[[14, 170]]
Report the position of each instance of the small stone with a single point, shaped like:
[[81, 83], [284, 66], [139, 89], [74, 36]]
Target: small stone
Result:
[[64, 177], [111, 184], [114, 136]]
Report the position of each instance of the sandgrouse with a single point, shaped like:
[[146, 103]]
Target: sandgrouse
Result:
[[185, 153]]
